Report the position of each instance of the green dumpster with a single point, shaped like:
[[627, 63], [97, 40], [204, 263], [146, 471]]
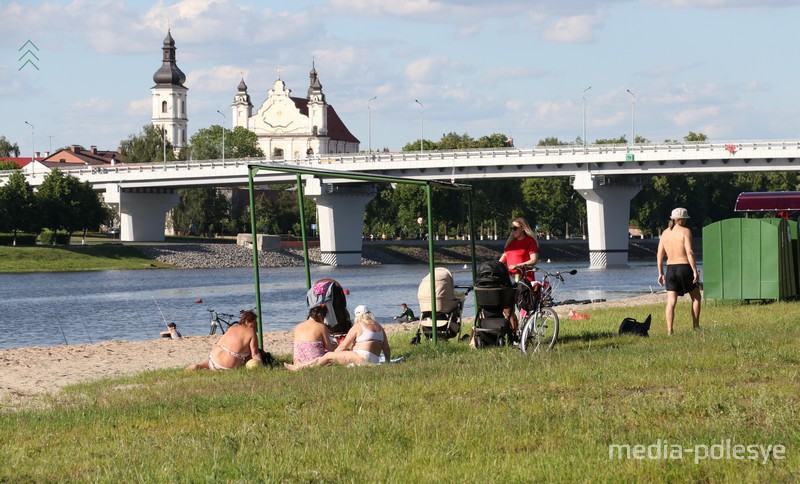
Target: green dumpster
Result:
[[749, 259]]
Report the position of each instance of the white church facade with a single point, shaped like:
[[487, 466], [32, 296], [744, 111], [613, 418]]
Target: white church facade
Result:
[[291, 127]]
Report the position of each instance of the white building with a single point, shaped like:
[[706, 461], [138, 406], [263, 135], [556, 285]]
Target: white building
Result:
[[169, 98], [292, 127]]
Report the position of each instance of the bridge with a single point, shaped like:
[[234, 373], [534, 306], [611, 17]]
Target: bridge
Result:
[[606, 176]]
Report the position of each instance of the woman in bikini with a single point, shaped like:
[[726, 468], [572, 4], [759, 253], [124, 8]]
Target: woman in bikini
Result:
[[311, 337], [367, 338], [237, 345]]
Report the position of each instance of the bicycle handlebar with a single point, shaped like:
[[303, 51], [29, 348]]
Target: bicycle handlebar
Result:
[[558, 274]]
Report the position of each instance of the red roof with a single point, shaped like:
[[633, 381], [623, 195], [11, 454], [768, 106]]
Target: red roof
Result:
[[337, 131], [767, 201], [21, 162]]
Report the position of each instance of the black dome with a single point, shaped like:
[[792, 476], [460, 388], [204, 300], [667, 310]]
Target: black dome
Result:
[[169, 73]]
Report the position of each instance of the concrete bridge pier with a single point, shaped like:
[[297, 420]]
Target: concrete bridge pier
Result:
[[142, 211], [608, 207], [340, 219]]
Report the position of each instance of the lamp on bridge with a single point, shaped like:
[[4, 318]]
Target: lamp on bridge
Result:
[[224, 120], [421, 124], [369, 122], [33, 147], [584, 116], [633, 117]]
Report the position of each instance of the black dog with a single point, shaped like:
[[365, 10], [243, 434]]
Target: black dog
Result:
[[630, 325]]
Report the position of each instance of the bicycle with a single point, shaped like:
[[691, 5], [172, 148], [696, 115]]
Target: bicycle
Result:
[[540, 324], [221, 321]]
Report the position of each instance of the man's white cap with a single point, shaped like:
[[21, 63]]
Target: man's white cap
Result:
[[361, 309], [679, 213]]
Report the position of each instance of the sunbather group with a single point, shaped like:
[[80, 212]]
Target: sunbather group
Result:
[[313, 345], [363, 344]]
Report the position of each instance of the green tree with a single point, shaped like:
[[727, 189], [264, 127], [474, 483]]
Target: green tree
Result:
[[8, 150], [693, 137], [8, 165], [551, 141], [68, 204], [198, 210], [240, 142], [18, 209], [147, 146], [622, 140]]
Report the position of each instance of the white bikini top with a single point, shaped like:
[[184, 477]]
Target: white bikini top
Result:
[[369, 336]]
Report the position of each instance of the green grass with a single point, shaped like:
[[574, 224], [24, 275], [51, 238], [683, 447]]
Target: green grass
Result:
[[447, 413], [75, 258]]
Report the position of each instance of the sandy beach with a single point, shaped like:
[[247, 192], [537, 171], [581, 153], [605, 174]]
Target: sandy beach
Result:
[[32, 371]]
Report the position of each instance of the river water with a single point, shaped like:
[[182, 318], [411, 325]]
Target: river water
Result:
[[47, 309]]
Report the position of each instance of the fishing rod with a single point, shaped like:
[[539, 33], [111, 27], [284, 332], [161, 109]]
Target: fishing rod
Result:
[[62, 329], [162, 314], [87, 332]]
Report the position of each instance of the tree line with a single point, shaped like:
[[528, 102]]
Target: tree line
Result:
[[62, 206]]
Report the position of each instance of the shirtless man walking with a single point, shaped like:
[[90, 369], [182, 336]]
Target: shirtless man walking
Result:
[[681, 276]]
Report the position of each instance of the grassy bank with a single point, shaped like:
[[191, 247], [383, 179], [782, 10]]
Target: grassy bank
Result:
[[74, 258], [447, 413]]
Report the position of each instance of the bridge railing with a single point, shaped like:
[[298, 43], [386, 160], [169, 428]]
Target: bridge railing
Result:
[[553, 152]]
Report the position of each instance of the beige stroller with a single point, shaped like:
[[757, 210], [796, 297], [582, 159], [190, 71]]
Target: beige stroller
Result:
[[449, 304]]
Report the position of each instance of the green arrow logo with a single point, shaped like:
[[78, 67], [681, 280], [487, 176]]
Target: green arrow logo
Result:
[[28, 53]]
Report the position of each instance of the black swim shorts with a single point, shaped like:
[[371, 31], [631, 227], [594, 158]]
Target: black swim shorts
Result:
[[679, 278]]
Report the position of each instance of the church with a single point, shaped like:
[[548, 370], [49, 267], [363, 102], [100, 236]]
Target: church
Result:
[[293, 127], [287, 127]]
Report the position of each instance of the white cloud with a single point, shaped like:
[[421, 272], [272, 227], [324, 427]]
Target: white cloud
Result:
[[432, 69], [223, 79], [689, 118], [577, 29]]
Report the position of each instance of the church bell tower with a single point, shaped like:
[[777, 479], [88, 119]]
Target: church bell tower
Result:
[[169, 98]]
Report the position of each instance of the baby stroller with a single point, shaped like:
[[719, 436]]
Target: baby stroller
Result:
[[331, 293], [449, 305], [493, 292]]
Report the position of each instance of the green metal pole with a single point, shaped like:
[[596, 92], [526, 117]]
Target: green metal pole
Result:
[[472, 235], [472, 246], [430, 260], [254, 239], [301, 204]]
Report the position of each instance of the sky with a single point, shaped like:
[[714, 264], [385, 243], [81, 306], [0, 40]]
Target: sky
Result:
[[528, 69]]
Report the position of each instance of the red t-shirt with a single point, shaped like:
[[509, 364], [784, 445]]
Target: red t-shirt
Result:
[[519, 251]]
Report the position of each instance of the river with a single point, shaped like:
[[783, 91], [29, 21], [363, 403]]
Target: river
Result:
[[47, 309]]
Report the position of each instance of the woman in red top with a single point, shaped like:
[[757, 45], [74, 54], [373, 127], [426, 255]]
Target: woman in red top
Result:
[[520, 249]]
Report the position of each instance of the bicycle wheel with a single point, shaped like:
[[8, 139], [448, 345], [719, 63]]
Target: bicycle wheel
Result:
[[213, 329], [541, 331]]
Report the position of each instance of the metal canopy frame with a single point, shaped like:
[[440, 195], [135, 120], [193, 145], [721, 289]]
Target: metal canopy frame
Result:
[[332, 176]]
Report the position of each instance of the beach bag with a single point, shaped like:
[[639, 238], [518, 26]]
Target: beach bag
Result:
[[528, 294]]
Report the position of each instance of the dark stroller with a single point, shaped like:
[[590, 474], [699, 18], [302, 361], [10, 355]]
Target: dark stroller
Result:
[[449, 305], [493, 292], [330, 293]]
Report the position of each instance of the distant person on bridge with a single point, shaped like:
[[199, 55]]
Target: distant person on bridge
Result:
[[681, 276], [520, 250]]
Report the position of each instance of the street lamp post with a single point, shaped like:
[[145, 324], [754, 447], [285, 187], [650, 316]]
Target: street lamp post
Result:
[[224, 120], [584, 116], [33, 147], [369, 122], [633, 117], [421, 125]]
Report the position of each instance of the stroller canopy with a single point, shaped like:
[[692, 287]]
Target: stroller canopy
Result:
[[446, 300], [330, 293]]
